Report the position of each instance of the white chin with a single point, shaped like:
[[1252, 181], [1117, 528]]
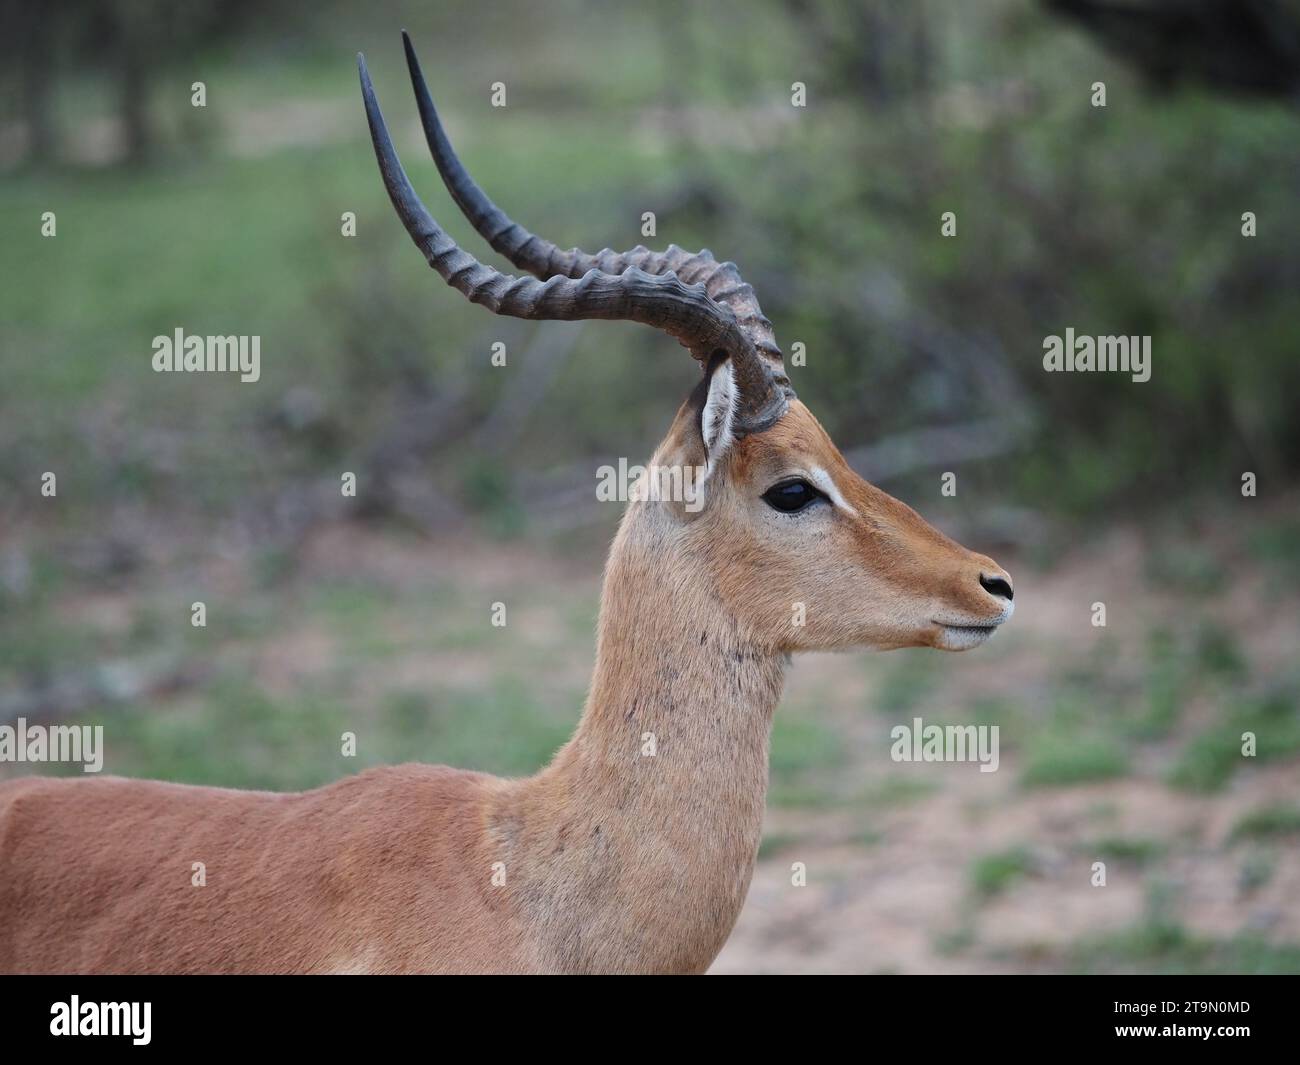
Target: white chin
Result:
[[964, 637]]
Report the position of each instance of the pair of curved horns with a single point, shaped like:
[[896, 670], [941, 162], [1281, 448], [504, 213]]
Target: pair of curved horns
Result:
[[701, 302]]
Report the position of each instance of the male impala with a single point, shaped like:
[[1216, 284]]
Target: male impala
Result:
[[607, 860]]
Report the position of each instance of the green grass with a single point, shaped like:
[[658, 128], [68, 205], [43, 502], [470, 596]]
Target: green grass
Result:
[[1128, 849], [252, 245], [993, 874], [1190, 569], [1197, 658], [232, 735], [1268, 822], [1164, 689], [1219, 654], [1256, 870], [1277, 544], [225, 729], [775, 842], [804, 754], [1055, 759], [897, 789], [1167, 947], [909, 679], [40, 646], [1208, 760], [502, 728], [1160, 943], [804, 794]]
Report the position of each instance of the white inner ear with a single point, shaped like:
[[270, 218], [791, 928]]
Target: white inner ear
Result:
[[719, 412]]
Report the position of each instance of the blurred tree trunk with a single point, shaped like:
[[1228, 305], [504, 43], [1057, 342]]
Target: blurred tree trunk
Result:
[[130, 59], [34, 40]]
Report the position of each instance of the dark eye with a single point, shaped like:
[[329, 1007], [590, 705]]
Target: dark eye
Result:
[[791, 496]]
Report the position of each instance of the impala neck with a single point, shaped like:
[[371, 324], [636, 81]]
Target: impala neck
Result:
[[634, 849]]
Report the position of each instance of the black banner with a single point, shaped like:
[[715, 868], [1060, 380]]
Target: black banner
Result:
[[1222, 1015]]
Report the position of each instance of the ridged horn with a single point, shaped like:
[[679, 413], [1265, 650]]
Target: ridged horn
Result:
[[670, 291]]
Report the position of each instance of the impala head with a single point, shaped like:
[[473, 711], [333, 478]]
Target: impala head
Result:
[[783, 521]]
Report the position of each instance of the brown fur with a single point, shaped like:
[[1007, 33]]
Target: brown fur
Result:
[[613, 861]]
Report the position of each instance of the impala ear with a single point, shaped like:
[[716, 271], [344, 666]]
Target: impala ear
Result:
[[718, 413], [702, 433]]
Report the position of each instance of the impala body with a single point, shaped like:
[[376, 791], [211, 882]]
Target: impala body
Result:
[[609, 859]]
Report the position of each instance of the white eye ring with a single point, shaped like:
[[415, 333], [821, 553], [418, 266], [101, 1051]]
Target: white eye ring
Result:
[[824, 483]]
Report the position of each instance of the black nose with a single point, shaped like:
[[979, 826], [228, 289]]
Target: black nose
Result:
[[997, 586]]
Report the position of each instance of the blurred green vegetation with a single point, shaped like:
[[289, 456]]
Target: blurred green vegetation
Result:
[[1269, 822], [1125, 849], [1162, 949], [993, 873], [1124, 219]]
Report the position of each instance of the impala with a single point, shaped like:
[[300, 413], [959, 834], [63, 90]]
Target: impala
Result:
[[610, 859]]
